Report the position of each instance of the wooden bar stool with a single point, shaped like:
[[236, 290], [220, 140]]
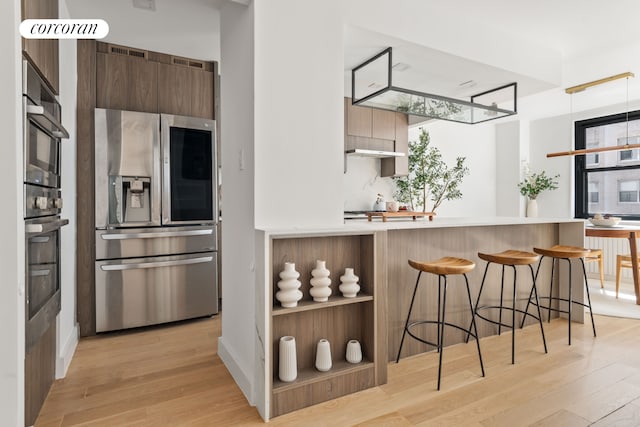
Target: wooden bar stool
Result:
[[567, 253], [442, 267], [511, 258]]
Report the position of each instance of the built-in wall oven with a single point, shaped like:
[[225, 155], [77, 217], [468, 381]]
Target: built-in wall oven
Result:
[[42, 204]]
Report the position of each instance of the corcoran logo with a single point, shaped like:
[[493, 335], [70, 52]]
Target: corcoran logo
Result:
[[64, 28]]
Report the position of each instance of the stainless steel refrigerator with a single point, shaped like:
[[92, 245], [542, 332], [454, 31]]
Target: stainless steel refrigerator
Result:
[[156, 214]]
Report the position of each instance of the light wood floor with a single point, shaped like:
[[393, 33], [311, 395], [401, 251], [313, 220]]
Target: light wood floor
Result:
[[173, 376]]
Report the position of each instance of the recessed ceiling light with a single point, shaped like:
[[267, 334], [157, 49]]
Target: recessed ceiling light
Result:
[[145, 4], [400, 66]]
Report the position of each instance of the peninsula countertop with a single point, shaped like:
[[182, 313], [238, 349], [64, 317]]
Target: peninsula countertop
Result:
[[360, 226]]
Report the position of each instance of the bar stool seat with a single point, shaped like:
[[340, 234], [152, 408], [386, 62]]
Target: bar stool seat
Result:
[[510, 258], [567, 253], [442, 268], [446, 265]]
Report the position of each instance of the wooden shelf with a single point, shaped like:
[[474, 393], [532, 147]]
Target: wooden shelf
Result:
[[334, 301], [312, 375]]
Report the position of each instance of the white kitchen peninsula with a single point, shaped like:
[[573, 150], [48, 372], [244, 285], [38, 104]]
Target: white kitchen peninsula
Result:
[[378, 251]]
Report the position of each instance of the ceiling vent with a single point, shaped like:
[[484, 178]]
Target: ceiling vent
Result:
[[128, 51], [185, 62]]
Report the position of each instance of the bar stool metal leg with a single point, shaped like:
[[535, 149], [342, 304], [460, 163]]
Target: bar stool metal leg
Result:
[[534, 291], [501, 301], [441, 325], [406, 323], [570, 298], [586, 285], [473, 323], [513, 316], [553, 263]]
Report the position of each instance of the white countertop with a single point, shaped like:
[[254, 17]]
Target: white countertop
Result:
[[364, 226]]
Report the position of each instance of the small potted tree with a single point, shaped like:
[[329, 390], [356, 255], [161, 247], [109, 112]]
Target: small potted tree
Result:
[[429, 176]]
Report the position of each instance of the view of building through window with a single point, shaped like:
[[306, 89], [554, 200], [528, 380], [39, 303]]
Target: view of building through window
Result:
[[608, 182]]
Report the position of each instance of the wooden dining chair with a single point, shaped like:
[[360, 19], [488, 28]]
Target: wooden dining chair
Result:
[[622, 261], [597, 255]]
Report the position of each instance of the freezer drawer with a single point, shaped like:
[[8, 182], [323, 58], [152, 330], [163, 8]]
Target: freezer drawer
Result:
[[146, 242], [147, 291]]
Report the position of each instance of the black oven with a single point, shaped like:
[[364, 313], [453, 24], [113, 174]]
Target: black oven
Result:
[[42, 204]]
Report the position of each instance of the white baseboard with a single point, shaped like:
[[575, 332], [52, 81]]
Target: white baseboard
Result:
[[236, 371], [66, 352]]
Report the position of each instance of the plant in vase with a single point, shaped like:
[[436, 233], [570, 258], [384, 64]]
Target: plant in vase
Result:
[[534, 184], [429, 176]]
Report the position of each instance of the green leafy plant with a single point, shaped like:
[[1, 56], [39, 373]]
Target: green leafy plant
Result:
[[429, 176], [536, 183]]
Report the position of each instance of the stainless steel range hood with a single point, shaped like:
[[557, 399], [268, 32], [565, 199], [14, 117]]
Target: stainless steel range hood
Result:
[[361, 152], [372, 85]]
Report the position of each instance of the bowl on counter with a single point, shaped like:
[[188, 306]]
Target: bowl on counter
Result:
[[605, 222]]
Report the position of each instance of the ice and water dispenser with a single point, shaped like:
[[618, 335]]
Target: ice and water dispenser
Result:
[[129, 200]]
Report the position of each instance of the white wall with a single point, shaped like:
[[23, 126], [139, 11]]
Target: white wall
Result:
[[299, 117], [512, 151], [11, 222], [68, 332], [236, 345]]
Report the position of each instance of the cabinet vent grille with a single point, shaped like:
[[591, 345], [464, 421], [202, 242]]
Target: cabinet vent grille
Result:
[[176, 60], [127, 51]]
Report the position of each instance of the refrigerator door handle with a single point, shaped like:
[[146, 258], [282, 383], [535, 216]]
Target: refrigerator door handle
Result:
[[115, 267], [153, 235]]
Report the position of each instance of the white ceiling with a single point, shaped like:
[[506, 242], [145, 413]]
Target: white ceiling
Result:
[[569, 28], [189, 28]]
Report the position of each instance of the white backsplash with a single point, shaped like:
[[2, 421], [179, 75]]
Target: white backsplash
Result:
[[362, 183]]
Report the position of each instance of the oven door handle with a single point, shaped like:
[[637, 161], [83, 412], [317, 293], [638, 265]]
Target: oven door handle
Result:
[[45, 227], [39, 273], [38, 113], [116, 267]]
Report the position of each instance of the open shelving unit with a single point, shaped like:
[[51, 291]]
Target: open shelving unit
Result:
[[338, 320]]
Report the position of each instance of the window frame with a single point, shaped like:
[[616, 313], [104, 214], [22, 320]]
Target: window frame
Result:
[[581, 171]]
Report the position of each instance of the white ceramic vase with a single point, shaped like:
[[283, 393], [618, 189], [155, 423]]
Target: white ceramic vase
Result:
[[289, 285], [354, 352], [288, 367], [532, 208], [349, 284], [320, 283], [323, 355]]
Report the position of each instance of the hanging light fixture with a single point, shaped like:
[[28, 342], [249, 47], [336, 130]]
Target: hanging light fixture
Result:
[[372, 85], [584, 86]]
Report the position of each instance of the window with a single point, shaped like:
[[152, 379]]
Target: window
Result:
[[594, 194], [608, 182], [629, 155], [593, 141], [628, 191]]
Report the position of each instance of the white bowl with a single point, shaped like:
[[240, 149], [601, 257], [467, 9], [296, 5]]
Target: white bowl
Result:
[[605, 222]]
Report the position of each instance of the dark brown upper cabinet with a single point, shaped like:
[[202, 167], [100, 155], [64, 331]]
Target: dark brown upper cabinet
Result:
[[126, 83], [378, 130], [139, 80], [42, 53]]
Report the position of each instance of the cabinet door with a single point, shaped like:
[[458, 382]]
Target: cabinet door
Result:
[[111, 81], [174, 89], [142, 85], [201, 94], [383, 124], [398, 166], [359, 120], [43, 53]]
